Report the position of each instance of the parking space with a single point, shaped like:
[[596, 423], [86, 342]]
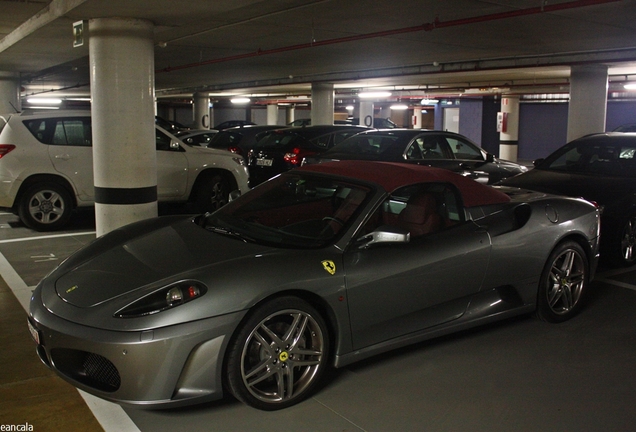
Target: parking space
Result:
[[520, 374]]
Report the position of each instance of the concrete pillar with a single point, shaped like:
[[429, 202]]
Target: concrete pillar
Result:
[[366, 113], [9, 92], [201, 111], [509, 128], [588, 100], [290, 114], [322, 98], [272, 114], [121, 56], [416, 119]]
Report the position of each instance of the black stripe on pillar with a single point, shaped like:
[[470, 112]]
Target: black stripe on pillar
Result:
[[125, 196]]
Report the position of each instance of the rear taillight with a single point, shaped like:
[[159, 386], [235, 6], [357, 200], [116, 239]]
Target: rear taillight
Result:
[[296, 156], [5, 148], [235, 149]]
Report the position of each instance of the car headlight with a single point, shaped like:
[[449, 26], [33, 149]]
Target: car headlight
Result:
[[165, 298]]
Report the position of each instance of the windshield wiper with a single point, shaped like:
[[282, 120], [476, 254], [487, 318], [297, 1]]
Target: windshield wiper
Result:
[[231, 233]]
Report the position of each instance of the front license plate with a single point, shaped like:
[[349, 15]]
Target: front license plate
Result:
[[264, 162], [35, 333]]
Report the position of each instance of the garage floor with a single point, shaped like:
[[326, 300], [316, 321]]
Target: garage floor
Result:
[[516, 375]]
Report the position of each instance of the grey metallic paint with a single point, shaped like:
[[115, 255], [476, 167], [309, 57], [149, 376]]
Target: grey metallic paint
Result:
[[485, 269]]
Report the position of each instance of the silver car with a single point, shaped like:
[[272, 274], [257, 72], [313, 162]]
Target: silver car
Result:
[[319, 267]]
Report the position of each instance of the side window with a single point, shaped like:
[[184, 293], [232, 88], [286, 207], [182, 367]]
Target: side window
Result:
[[39, 130], [322, 141], [74, 132], [62, 131], [427, 147], [341, 136], [420, 209], [163, 140], [464, 150]]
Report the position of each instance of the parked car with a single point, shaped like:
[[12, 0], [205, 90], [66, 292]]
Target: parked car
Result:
[[423, 147], [600, 168], [233, 123], [171, 126], [197, 137], [629, 127], [281, 150], [378, 122], [46, 169], [321, 266], [240, 139]]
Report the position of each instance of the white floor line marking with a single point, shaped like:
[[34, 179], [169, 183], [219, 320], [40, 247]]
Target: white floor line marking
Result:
[[110, 416], [615, 283], [17, 240]]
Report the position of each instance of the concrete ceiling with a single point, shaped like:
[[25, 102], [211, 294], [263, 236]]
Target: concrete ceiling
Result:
[[277, 48]]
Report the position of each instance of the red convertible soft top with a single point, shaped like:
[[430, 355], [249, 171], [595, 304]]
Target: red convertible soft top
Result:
[[390, 176]]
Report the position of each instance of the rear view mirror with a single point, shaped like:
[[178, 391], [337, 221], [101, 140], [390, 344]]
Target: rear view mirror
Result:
[[385, 234]]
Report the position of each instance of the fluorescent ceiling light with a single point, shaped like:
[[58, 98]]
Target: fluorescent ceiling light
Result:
[[240, 100], [429, 101], [399, 107], [630, 86], [374, 94], [45, 101]]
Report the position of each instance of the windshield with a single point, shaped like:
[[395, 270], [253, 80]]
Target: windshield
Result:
[[371, 146], [615, 159], [294, 210]]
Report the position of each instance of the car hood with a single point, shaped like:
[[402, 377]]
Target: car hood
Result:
[[126, 261]]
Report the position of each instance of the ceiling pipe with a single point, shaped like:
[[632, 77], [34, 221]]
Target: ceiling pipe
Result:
[[436, 24]]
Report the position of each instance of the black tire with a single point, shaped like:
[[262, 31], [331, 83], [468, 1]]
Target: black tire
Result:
[[563, 283], [212, 194], [625, 243], [45, 207], [278, 355]]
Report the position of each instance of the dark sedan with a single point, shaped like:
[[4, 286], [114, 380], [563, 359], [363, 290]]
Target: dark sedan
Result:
[[321, 266], [423, 147], [240, 139], [281, 150], [600, 168]]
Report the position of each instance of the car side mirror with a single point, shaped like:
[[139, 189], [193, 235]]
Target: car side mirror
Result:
[[490, 157], [174, 145], [538, 162], [385, 234], [234, 195]]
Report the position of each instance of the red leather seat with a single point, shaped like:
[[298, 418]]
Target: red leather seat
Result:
[[420, 216]]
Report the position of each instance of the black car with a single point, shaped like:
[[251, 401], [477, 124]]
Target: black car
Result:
[[423, 147], [170, 126], [196, 137], [233, 123], [600, 168], [239, 139], [281, 150]]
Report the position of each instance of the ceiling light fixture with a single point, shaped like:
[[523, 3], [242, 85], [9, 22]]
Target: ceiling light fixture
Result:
[[630, 86], [45, 101], [428, 101], [399, 107], [240, 100], [374, 94]]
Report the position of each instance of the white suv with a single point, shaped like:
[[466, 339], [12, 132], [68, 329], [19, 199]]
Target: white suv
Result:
[[46, 168]]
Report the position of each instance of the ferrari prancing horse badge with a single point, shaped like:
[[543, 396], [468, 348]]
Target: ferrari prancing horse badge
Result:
[[329, 266]]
